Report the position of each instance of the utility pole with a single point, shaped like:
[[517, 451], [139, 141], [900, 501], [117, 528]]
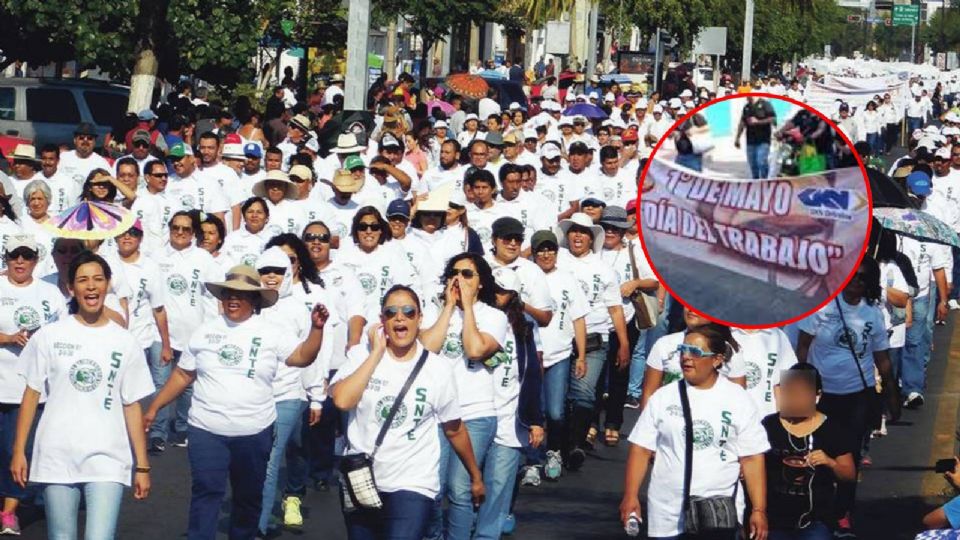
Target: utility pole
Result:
[[747, 43], [358, 30], [592, 39]]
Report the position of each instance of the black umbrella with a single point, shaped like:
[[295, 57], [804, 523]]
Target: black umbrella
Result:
[[357, 122], [887, 192]]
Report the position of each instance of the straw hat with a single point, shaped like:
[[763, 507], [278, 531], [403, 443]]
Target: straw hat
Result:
[[25, 152], [246, 279], [344, 181], [260, 188], [438, 199]]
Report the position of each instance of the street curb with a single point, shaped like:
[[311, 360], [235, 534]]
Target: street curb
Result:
[[946, 433]]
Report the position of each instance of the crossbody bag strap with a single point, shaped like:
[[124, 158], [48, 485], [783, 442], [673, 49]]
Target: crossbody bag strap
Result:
[[398, 401], [688, 443], [633, 260], [847, 335]]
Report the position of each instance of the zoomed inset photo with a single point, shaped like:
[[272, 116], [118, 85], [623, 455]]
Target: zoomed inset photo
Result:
[[754, 210]]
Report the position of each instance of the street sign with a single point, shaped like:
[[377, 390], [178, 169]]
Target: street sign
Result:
[[906, 15], [712, 40], [854, 18], [558, 37]]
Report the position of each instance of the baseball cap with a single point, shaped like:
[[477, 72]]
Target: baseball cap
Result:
[[657, 109], [353, 162], [85, 128], [16, 241], [543, 237], [592, 201], [529, 133], [631, 206], [301, 171], [233, 151], [686, 93], [313, 145], [180, 150], [506, 279], [507, 226], [389, 141], [579, 147], [253, 150], [550, 151], [675, 103], [919, 183], [630, 135], [146, 115], [398, 207], [440, 124], [141, 135], [565, 121]]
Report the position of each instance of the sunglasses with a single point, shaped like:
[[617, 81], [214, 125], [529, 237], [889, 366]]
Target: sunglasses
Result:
[[512, 239], [694, 351], [181, 228], [272, 270], [390, 312], [132, 232], [465, 272], [85, 137], [544, 251], [22, 253], [141, 144], [159, 175], [322, 238], [364, 227]]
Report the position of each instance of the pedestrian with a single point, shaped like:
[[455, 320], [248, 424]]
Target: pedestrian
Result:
[[757, 119], [234, 359], [704, 430], [93, 374]]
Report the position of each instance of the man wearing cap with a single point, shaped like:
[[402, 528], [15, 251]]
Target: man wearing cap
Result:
[[401, 170], [658, 127], [78, 163], [185, 188], [508, 237], [416, 249], [494, 142], [847, 123], [471, 123], [64, 192], [555, 184], [379, 186], [252, 171], [211, 171], [139, 147], [297, 134], [441, 133]]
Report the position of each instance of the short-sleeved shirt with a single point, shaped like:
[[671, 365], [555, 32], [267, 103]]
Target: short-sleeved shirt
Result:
[[23, 308], [664, 356], [761, 110], [600, 286]]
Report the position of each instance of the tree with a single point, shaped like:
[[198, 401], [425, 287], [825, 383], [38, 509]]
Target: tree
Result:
[[943, 31]]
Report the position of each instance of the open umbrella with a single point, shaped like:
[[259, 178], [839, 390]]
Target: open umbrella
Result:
[[589, 110], [465, 84], [91, 221], [886, 192], [916, 224], [440, 104]]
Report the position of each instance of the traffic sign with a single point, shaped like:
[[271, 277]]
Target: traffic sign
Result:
[[904, 15]]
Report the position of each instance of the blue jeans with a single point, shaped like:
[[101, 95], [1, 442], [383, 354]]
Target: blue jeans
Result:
[[916, 349], [556, 380], [298, 458], [758, 156], [455, 482], [9, 412], [662, 327], [955, 278], [896, 361], [289, 415], [215, 458], [873, 139], [404, 516], [499, 477], [161, 373], [913, 123], [815, 531], [691, 161], [638, 363], [583, 391], [62, 504]]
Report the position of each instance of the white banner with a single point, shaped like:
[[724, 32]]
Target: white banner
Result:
[[823, 97]]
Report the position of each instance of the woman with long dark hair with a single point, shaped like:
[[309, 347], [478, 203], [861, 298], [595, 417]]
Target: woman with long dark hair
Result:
[[100, 186]]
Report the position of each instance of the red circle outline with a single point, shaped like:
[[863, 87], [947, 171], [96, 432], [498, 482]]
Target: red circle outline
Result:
[[863, 249]]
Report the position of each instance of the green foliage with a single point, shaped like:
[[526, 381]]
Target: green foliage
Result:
[[942, 30]]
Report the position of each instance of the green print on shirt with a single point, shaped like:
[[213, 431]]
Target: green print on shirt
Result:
[[368, 282], [85, 375], [230, 355], [26, 318], [452, 347], [753, 374], [141, 294], [115, 358], [508, 361], [177, 284], [419, 409], [383, 410], [386, 280], [726, 423], [670, 376], [772, 361], [702, 435], [254, 350], [564, 304]]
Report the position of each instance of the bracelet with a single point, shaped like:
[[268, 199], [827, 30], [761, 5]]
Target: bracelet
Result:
[[143, 469]]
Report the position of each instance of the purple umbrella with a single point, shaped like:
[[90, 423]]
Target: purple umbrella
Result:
[[590, 111]]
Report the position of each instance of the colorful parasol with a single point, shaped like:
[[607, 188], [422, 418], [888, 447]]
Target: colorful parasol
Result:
[[916, 224], [465, 84], [91, 221]]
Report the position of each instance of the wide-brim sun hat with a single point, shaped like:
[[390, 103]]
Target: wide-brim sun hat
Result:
[[583, 220], [291, 189], [243, 278]]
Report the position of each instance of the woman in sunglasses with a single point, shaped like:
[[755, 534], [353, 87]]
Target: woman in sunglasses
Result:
[[378, 262], [727, 437], [100, 186], [26, 304], [405, 466], [466, 331]]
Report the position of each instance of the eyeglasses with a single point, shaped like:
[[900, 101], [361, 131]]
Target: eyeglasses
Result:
[[694, 351], [85, 137], [391, 312], [22, 253], [181, 228], [512, 239], [465, 272], [141, 144], [364, 227], [544, 251], [322, 238], [132, 232], [272, 270], [159, 175]]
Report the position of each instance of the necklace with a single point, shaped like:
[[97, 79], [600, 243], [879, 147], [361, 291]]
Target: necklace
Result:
[[806, 427]]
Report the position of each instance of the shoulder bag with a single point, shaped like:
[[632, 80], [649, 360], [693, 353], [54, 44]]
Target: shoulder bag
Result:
[[874, 403], [702, 515], [646, 305], [359, 487]]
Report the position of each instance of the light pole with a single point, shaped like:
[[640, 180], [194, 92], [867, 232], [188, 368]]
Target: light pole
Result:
[[747, 43], [358, 28]]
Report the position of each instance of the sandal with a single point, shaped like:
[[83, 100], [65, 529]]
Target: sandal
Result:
[[592, 438], [611, 437]]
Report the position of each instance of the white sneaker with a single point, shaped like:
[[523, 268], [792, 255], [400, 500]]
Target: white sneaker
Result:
[[531, 476], [954, 305]]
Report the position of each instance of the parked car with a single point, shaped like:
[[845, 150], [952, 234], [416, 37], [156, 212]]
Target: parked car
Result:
[[48, 110]]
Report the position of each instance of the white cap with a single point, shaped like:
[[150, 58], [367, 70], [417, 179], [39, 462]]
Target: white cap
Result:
[[675, 103], [952, 117], [565, 121], [233, 151], [581, 97], [609, 97], [471, 116], [943, 153], [529, 133], [549, 151], [686, 93], [594, 96], [570, 97], [514, 106], [313, 144], [580, 118], [950, 130], [15, 241], [440, 124], [657, 109], [642, 103], [607, 123], [931, 129], [618, 123], [506, 279]]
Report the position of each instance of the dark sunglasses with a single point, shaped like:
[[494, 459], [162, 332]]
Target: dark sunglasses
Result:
[[26, 254], [512, 238], [364, 227], [132, 232], [391, 312], [159, 175], [465, 272], [322, 238], [141, 144], [272, 270], [181, 228], [86, 137]]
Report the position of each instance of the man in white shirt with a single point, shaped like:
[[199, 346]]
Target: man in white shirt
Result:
[[556, 187], [140, 149], [210, 170], [916, 113], [488, 105], [78, 163], [531, 209], [448, 168], [63, 189], [484, 209], [208, 197], [251, 172]]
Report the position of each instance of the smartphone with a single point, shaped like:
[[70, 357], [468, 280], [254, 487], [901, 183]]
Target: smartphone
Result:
[[945, 465]]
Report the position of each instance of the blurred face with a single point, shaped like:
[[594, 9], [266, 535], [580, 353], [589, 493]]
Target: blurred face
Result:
[[275, 190], [479, 155], [511, 186], [238, 306], [493, 125], [141, 150], [856, 287], [578, 127], [368, 233], [579, 240], [156, 178], [577, 162], [100, 189], [23, 169], [511, 151], [448, 156], [955, 157], [507, 248], [38, 204], [798, 394], [181, 232], [546, 257], [441, 133], [295, 133], [89, 287], [483, 192], [551, 166], [211, 237], [127, 175], [470, 125], [393, 153], [692, 319], [317, 239], [294, 261], [594, 211], [400, 316], [398, 226], [20, 265], [84, 144], [603, 138], [236, 165], [453, 215], [431, 221], [273, 162], [128, 243], [251, 165], [185, 166], [530, 145], [255, 217], [64, 251], [698, 367], [49, 162]]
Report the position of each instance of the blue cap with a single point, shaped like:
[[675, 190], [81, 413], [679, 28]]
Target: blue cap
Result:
[[919, 183], [398, 207], [252, 149]]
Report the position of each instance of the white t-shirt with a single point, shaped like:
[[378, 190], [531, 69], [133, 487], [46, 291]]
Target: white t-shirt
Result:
[[88, 374], [149, 294], [187, 301], [77, 168], [196, 195], [557, 338], [665, 357], [925, 257], [236, 364], [286, 217], [437, 177], [765, 354], [8, 228], [474, 380], [894, 318], [830, 353], [409, 457], [533, 283], [560, 190], [379, 270], [63, 190], [726, 427], [600, 286], [619, 260], [243, 247], [23, 308]]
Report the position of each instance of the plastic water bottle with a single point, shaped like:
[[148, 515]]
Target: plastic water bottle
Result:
[[633, 525]]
